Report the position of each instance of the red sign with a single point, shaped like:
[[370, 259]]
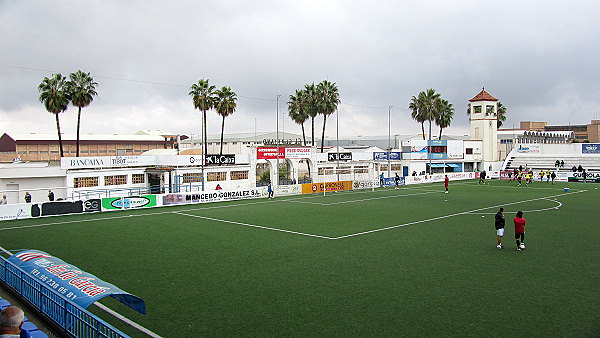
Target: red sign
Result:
[[270, 153]]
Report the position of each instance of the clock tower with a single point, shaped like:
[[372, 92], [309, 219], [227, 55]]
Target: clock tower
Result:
[[483, 114]]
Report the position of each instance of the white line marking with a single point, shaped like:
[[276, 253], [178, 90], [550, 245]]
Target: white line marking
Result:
[[525, 211], [253, 225], [367, 199], [451, 215]]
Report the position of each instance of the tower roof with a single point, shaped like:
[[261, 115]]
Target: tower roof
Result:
[[483, 96]]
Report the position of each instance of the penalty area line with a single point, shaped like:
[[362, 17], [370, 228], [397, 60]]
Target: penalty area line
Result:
[[253, 226], [452, 215]]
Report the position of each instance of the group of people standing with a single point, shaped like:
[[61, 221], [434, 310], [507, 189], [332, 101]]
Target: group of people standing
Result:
[[519, 223]]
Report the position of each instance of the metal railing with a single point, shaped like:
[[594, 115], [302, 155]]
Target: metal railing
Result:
[[72, 318]]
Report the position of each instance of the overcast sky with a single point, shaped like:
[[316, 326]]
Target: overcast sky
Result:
[[540, 58]]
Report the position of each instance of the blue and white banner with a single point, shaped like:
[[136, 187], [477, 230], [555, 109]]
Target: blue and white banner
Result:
[[590, 148], [68, 280], [383, 156]]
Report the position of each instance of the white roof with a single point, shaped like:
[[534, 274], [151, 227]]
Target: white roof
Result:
[[84, 137]]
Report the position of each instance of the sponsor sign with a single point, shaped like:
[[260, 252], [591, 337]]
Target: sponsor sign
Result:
[[132, 161], [364, 184], [590, 148], [62, 208], [286, 190], [332, 157], [440, 177], [310, 188], [271, 153], [383, 156], [296, 153], [529, 148], [220, 159], [92, 205], [131, 202], [68, 280], [455, 149], [437, 156], [15, 211], [589, 177], [281, 142], [210, 196]]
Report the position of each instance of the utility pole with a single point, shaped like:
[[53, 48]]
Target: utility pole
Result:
[[277, 166]]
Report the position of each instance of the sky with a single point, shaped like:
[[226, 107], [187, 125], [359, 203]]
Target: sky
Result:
[[539, 58]]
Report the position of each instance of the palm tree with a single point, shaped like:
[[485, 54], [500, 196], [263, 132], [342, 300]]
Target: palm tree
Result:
[[297, 111], [501, 113], [328, 99], [427, 102], [416, 113], [225, 105], [311, 108], [55, 97], [82, 90], [203, 96], [444, 115]]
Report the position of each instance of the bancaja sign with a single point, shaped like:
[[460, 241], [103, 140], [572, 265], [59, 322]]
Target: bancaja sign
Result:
[[80, 287]]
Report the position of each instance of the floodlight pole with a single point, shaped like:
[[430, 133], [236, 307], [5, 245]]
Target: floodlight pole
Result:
[[277, 165], [389, 136], [337, 136]]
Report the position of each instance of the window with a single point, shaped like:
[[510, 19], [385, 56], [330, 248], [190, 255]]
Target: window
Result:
[[239, 175], [138, 178], [220, 176], [115, 180], [383, 167], [361, 170], [396, 167], [469, 151], [85, 182], [192, 177], [325, 171], [489, 110], [477, 109]]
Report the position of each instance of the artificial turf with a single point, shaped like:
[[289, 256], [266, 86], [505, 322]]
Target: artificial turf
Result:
[[435, 271]]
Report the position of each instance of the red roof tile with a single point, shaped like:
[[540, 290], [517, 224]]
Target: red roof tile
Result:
[[483, 96]]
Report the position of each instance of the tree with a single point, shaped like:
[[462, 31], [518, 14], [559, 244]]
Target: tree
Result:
[[297, 111], [310, 94], [444, 115], [55, 97], [416, 113], [501, 113], [82, 89], [327, 100], [203, 96], [225, 105], [427, 101]]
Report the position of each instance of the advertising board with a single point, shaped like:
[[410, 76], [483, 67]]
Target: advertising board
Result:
[[311, 188], [131, 202], [210, 196]]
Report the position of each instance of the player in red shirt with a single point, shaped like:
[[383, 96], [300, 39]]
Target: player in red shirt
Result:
[[520, 230], [446, 181]]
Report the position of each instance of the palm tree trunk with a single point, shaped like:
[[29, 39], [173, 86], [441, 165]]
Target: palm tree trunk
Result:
[[204, 137], [423, 129], [59, 136], [303, 134], [78, 124], [323, 135], [222, 130], [440, 137], [312, 141], [429, 135]]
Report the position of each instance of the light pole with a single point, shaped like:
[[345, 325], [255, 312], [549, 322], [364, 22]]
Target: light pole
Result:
[[389, 136], [277, 144], [337, 140]]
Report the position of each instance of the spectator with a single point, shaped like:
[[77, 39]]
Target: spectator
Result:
[[574, 168], [27, 197], [557, 163], [520, 168], [3, 200], [580, 168], [562, 163], [218, 187], [11, 320], [414, 173], [50, 196]]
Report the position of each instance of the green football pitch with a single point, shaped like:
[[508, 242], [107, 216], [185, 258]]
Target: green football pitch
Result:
[[391, 262]]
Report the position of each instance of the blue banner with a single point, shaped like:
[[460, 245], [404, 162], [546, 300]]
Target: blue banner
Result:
[[437, 143], [78, 286], [590, 148], [382, 156]]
